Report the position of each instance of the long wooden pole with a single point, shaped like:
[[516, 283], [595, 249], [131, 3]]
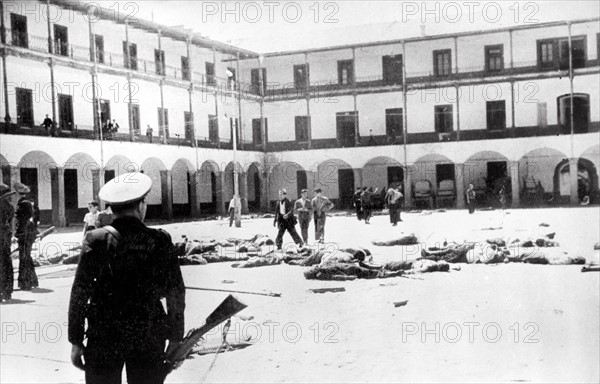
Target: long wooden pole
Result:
[[272, 294]]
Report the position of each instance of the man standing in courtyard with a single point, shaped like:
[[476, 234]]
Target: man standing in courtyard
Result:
[[471, 199], [6, 268], [303, 207], [28, 216], [124, 272], [320, 206], [285, 220]]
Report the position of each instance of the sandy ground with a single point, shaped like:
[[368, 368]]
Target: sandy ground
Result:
[[502, 323]]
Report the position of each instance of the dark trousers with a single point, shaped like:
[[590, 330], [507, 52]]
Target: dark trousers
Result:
[[320, 226], [6, 266], [231, 215], [359, 211], [471, 206], [291, 230], [304, 223], [394, 213], [367, 212], [27, 276], [144, 364]]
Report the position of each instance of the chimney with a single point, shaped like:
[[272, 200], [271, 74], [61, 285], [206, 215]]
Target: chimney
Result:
[[423, 34]]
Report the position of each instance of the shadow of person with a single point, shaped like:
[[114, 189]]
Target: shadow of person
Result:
[[41, 290]]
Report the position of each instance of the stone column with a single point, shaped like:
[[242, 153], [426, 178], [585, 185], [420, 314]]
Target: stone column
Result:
[[243, 183], [220, 178], [15, 175], [408, 200], [358, 178], [574, 200], [194, 196], [514, 180], [459, 182], [57, 183], [166, 185]]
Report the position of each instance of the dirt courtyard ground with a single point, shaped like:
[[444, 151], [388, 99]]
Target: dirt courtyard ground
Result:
[[485, 323]]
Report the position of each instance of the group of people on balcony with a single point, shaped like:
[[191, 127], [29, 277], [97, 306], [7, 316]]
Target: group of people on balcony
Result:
[[109, 129]]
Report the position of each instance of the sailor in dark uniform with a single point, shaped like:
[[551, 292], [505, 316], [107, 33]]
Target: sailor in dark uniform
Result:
[[125, 270], [28, 216], [6, 268]]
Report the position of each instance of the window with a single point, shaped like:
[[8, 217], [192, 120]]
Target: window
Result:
[[443, 118], [130, 56], [61, 40], [188, 119], [99, 45], [546, 54], [163, 122], [394, 122], [494, 58], [257, 131], [254, 79], [104, 113], [578, 52], [185, 68], [301, 76], [346, 72], [213, 128], [496, 115], [65, 112], [392, 69], [24, 107], [135, 119], [442, 62], [231, 79], [210, 73], [581, 112], [159, 60], [302, 123], [18, 25]]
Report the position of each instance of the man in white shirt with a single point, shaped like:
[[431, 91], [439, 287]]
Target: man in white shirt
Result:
[[231, 211], [89, 221]]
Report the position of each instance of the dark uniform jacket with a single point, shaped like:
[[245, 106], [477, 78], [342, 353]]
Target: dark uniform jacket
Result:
[[290, 221], [6, 216], [132, 275], [27, 216]]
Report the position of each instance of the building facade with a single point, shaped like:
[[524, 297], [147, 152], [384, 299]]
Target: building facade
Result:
[[516, 108]]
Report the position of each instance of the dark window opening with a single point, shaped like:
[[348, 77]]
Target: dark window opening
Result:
[[346, 72], [496, 115], [159, 61], [185, 68], [394, 122], [392, 69], [210, 73], [442, 62], [578, 53], [301, 76], [61, 40], [18, 25], [494, 58], [213, 129], [99, 46], [163, 122], [301, 123], [255, 80], [347, 126], [132, 53], [443, 118], [24, 107], [188, 119], [257, 131], [65, 112], [581, 113]]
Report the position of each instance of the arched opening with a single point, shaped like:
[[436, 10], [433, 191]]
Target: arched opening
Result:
[[587, 181], [488, 172], [78, 186], [581, 112], [254, 187], [155, 169], [182, 175], [337, 180], [211, 188]]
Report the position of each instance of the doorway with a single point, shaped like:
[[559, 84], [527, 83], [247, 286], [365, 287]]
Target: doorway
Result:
[[346, 188], [347, 126]]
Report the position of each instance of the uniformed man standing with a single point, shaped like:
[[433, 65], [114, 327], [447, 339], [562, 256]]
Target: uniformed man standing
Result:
[[320, 205], [303, 207], [124, 272], [6, 268], [28, 216]]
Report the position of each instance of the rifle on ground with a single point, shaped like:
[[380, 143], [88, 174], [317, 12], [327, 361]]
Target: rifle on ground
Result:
[[591, 268], [272, 294], [40, 236], [229, 307]]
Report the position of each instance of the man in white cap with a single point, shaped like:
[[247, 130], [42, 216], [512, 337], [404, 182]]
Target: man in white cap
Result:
[[125, 270]]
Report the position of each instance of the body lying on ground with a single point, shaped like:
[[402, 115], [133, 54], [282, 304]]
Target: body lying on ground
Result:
[[402, 240]]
